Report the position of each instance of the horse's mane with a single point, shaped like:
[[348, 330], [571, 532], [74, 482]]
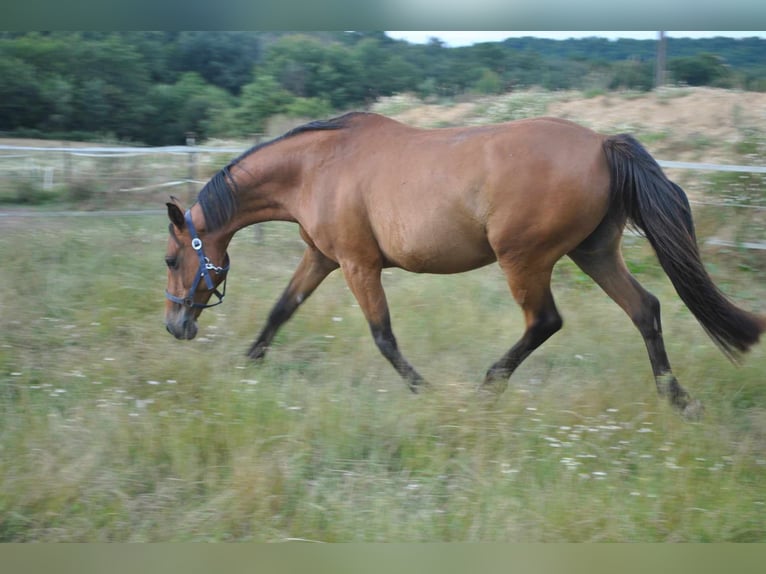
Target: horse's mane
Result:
[[218, 198]]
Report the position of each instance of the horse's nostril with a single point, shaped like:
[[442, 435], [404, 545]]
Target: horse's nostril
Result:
[[188, 329]]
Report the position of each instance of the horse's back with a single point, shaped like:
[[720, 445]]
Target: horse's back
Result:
[[447, 200]]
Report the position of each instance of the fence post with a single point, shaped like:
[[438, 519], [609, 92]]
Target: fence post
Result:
[[191, 141], [659, 71], [67, 165], [48, 178]]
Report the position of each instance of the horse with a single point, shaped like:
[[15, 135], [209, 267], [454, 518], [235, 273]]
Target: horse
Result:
[[369, 193]]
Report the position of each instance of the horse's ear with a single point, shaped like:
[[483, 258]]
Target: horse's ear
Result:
[[175, 215]]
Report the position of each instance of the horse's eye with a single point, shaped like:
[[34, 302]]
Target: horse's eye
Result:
[[171, 262]]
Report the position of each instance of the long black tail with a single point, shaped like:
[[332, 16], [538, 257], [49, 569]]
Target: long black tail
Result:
[[660, 209]]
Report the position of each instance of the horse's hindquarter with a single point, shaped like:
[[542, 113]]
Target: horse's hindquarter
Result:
[[548, 190], [449, 200]]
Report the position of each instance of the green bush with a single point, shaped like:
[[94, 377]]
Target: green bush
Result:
[[309, 108], [27, 192], [82, 190], [489, 83]]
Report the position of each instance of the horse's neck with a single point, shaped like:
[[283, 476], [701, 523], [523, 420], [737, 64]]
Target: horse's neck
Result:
[[265, 190]]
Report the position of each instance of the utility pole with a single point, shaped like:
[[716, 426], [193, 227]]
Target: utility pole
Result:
[[659, 73]]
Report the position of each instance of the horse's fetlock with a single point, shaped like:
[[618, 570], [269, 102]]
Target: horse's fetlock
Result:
[[667, 385]]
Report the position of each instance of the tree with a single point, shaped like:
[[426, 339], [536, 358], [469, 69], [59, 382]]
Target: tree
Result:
[[261, 98], [703, 69], [155, 86], [491, 55], [21, 104], [189, 105], [311, 108], [58, 94], [632, 75], [223, 59], [110, 81], [383, 69], [489, 83]]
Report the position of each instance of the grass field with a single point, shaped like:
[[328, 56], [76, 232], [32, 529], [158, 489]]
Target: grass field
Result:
[[111, 430]]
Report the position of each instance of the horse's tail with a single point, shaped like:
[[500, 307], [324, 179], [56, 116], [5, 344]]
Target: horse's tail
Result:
[[660, 209]]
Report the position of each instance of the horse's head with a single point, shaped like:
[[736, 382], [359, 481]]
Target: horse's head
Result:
[[193, 272]]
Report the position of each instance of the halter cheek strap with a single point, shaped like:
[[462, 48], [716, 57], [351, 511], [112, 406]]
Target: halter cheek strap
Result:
[[205, 267]]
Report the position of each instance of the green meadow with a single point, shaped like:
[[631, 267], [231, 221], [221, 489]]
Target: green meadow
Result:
[[111, 430]]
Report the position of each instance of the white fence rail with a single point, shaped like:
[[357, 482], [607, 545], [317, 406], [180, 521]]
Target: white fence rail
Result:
[[41, 161], [182, 165], [116, 168]]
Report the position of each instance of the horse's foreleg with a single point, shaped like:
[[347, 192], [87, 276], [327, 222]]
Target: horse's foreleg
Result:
[[366, 286], [532, 292], [607, 268], [311, 271]]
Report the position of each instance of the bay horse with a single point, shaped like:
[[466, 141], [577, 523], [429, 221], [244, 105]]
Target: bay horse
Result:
[[368, 193]]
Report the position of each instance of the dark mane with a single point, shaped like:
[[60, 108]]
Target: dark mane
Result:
[[218, 198], [337, 123]]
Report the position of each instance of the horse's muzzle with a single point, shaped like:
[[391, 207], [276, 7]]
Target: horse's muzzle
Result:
[[185, 329]]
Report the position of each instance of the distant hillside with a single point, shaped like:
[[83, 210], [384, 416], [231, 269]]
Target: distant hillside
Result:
[[738, 53], [156, 87]]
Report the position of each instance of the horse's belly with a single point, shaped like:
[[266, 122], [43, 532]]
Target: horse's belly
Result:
[[437, 249]]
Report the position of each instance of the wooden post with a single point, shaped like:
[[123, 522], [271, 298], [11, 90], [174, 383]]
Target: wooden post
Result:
[[659, 73], [67, 165], [48, 178], [191, 141]]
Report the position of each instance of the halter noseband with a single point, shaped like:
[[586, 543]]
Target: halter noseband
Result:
[[205, 267]]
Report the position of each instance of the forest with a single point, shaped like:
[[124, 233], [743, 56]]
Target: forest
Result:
[[154, 88]]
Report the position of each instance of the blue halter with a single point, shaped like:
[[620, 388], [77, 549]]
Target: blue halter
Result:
[[205, 267]]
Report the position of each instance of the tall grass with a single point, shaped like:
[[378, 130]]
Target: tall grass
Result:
[[110, 430]]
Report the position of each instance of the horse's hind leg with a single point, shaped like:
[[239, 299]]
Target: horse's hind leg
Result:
[[532, 292], [311, 271], [604, 264]]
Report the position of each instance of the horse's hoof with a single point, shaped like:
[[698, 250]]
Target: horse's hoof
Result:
[[493, 385], [693, 411], [419, 386], [257, 352], [490, 392]]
